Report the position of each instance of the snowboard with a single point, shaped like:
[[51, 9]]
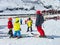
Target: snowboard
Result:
[[37, 36]]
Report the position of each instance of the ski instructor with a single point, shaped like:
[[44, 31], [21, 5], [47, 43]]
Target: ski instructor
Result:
[[39, 21]]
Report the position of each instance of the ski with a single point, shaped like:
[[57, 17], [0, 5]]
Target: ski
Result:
[[37, 36]]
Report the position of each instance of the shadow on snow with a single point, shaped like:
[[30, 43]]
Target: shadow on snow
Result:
[[54, 36]]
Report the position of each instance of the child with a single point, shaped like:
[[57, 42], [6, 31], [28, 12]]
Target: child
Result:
[[29, 24], [10, 26], [17, 28], [20, 20]]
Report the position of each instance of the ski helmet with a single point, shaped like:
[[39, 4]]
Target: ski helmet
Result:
[[10, 19], [38, 12]]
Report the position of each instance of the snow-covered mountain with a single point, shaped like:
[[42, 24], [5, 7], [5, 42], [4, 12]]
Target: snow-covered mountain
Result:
[[26, 6]]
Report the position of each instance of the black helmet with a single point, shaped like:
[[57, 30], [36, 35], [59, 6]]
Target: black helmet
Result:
[[29, 19]]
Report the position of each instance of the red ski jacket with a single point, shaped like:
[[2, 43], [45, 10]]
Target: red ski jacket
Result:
[[10, 25]]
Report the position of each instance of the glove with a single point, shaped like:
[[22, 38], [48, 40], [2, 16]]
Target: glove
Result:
[[20, 29]]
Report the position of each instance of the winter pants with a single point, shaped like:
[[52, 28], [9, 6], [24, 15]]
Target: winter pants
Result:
[[40, 30], [30, 29], [17, 33], [10, 32]]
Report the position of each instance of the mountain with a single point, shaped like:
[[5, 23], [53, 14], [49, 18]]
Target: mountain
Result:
[[27, 6]]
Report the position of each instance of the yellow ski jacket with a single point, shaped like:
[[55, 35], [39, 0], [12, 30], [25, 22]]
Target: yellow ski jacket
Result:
[[29, 23], [17, 25]]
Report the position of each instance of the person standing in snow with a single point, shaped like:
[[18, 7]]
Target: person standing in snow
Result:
[[20, 20], [39, 22], [29, 24], [17, 28], [10, 26]]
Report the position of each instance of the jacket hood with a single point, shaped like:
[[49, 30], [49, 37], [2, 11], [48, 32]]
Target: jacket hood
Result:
[[17, 19]]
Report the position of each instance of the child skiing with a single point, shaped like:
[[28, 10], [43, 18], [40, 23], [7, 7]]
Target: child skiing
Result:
[[17, 28], [39, 21], [29, 24], [10, 26]]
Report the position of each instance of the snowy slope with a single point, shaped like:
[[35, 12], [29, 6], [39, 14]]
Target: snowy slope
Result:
[[51, 28]]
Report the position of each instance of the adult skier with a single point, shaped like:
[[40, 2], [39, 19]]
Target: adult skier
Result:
[[39, 22]]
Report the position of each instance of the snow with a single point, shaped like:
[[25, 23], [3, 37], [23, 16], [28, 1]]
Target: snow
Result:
[[17, 4], [51, 28], [54, 3]]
